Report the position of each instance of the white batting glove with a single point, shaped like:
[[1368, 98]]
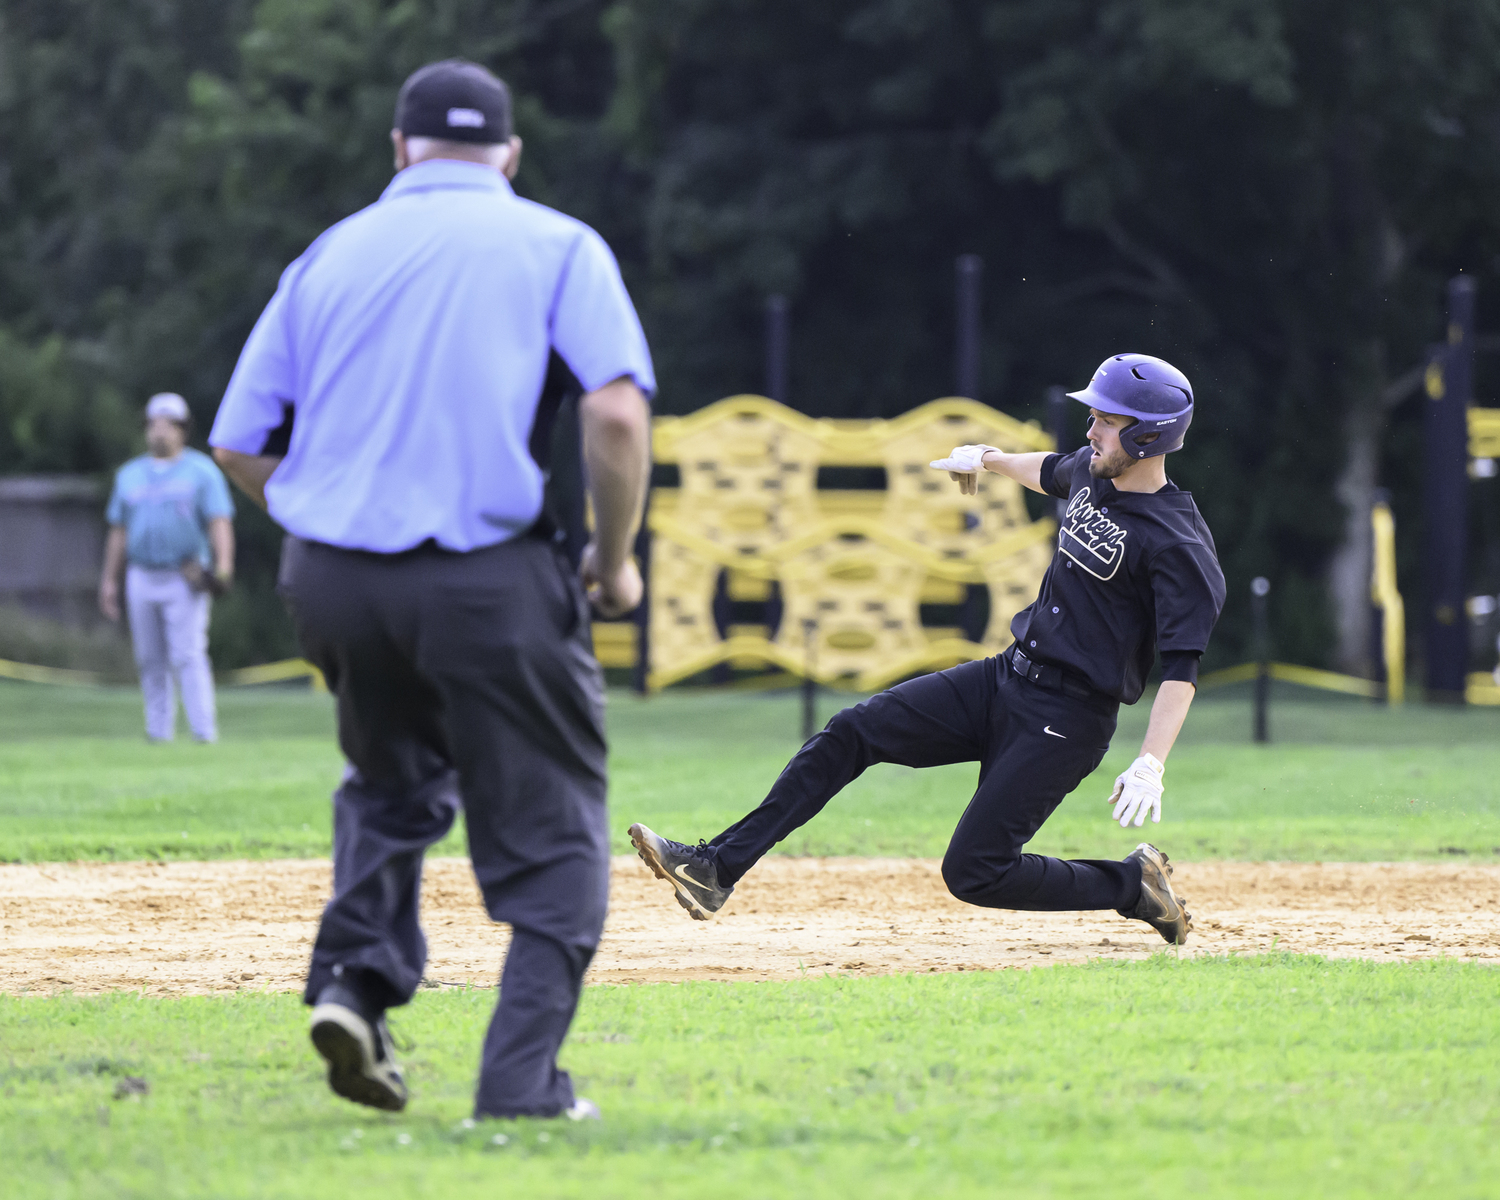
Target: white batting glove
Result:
[[963, 466], [1138, 791]]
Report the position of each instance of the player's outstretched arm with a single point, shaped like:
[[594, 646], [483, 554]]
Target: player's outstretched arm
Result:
[[1138, 790], [965, 463]]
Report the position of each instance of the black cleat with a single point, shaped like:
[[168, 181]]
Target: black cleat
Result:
[[690, 870], [361, 1063], [1159, 906]]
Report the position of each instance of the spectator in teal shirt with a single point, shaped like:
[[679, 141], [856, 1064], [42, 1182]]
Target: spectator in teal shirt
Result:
[[170, 532]]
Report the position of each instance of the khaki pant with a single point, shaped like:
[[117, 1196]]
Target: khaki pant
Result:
[[169, 631]]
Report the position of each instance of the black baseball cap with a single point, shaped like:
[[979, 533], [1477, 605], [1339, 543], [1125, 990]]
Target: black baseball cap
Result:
[[456, 100]]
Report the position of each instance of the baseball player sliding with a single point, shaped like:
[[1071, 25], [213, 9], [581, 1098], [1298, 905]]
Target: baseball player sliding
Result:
[[1135, 573]]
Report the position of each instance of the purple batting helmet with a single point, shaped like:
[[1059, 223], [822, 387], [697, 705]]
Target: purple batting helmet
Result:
[[1151, 390]]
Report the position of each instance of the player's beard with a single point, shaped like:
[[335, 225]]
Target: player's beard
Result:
[[1112, 467]]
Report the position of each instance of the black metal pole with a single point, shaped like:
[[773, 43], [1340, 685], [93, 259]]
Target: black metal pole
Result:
[[1057, 418], [1377, 614], [1450, 391], [1260, 589], [969, 271], [1057, 426], [809, 684], [778, 347], [641, 673]]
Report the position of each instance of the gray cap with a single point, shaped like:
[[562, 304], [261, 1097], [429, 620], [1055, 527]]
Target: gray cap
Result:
[[169, 405]]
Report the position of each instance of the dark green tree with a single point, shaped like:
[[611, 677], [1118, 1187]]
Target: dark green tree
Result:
[[1270, 194]]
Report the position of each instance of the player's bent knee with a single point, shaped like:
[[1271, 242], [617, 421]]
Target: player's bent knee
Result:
[[842, 721], [973, 879], [843, 729]]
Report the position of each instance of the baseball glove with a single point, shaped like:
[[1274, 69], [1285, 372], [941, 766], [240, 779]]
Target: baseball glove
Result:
[[200, 580]]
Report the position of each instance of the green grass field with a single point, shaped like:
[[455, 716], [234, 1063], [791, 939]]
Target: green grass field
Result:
[[1253, 1077], [1344, 780], [1274, 1076]]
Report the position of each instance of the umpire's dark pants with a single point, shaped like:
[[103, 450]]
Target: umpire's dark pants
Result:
[[463, 679], [1034, 746]]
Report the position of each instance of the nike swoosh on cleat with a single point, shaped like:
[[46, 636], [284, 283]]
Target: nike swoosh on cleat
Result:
[[1053, 732], [680, 871]]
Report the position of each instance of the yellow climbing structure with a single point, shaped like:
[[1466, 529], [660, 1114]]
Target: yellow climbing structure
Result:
[[853, 567]]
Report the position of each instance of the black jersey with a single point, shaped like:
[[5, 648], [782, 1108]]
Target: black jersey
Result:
[[1134, 572]]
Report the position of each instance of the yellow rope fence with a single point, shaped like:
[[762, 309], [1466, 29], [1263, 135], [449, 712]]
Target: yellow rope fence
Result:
[[297, 668], [276, 672], [1327, 681]]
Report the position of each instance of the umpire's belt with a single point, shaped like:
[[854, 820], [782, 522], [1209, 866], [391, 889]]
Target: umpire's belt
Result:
[[1054, 679]]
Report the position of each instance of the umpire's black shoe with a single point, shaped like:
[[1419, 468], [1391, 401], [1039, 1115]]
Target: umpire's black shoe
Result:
[[691, 870], [1159, 906], [361, 1061]]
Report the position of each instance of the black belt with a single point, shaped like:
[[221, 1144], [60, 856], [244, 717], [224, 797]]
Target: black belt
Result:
[[1054, 679]]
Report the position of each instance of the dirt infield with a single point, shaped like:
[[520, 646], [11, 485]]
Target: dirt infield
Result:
[[181, 928]]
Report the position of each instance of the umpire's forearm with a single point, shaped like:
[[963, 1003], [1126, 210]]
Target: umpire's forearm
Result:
[[1168, 711], [616, 429], [248, 472]]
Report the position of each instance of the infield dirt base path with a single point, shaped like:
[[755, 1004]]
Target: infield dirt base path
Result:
[[181, 928]]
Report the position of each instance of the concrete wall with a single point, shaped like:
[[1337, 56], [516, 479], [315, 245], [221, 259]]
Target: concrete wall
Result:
[[51, 545]]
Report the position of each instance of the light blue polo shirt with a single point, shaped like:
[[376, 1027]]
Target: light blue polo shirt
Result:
[[165, 507], [411, 342]]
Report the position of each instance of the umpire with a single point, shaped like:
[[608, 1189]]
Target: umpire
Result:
[[388, 410]]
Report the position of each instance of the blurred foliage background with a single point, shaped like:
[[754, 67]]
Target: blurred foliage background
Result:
[[1271, 194]]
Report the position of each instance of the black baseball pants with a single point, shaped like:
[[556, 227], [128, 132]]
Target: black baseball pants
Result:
[[463, 680], [1033, 746]]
